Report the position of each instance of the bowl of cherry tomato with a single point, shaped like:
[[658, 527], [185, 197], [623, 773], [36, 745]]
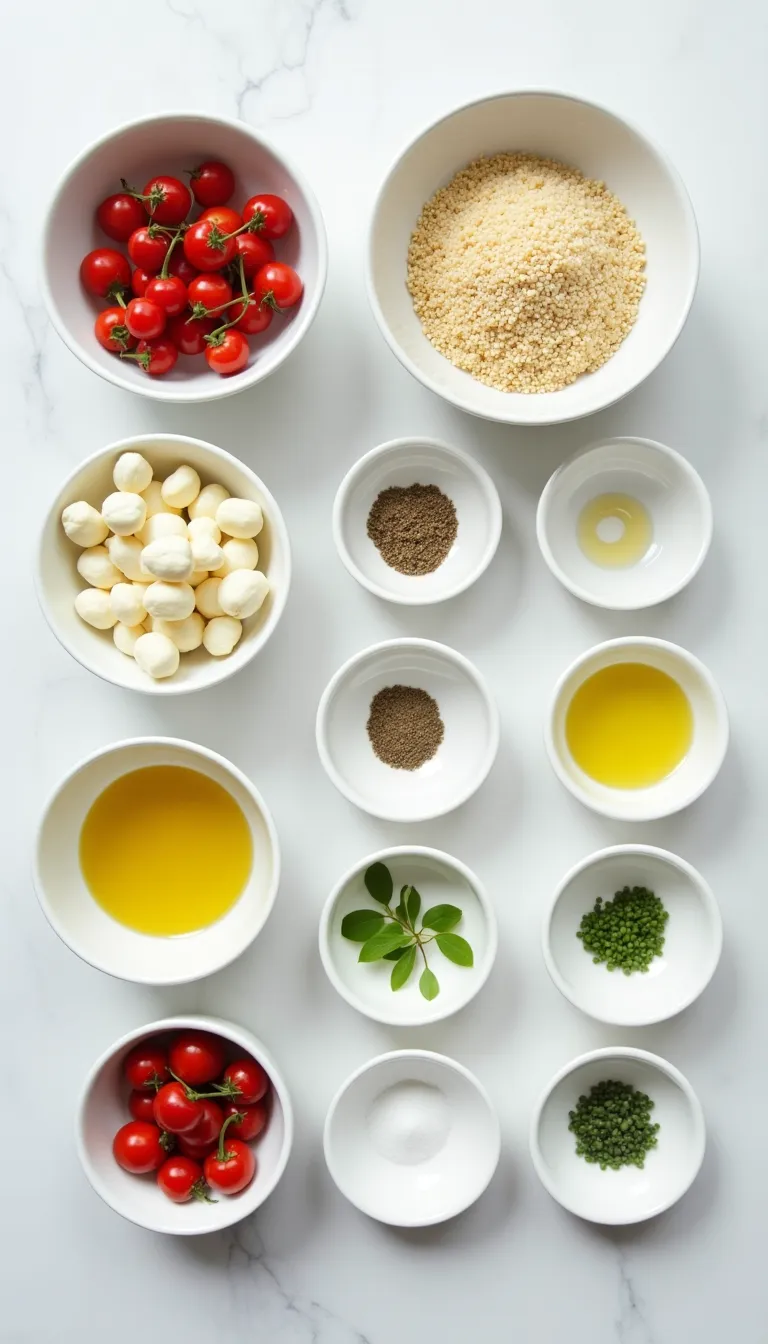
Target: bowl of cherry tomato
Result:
[[185, 1126], [183, 257]]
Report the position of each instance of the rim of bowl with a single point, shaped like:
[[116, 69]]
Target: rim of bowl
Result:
[[274, 518], [196, 750], [618, 1052], [692, 477], [396, 851], [451, 655], [474, 468], [236, 1035], [692, 242], [225, 387], [718, 701], [672, 860], [447, 1062]]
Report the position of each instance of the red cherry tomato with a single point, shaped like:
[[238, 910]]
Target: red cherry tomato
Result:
[[196, 1057], [250, 1079], [175, 1111], [254, 1119], [227, 219], [207, 247], [138, 1147], [199, 1151], [139, 281], [142, 1107], [178, 265], [147, 248], [255, 318], [144, 319], [181, 1179], [229, 354], [168, 200], [157, 356], [274, 215], [212, 183], [232, 1172], [255, 251], [119, 215], [208, 1127], [146, 1066], [188, 333], [111, 332], [278, 285], [210, 290], [105, 271], [169, 293]]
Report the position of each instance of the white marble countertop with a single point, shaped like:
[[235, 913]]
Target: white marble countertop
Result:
[[341, 85]]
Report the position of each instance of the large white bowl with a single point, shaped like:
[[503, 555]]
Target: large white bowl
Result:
[[58, 581], [90, 931], [103, 1109], [603, 146], [173, 142]]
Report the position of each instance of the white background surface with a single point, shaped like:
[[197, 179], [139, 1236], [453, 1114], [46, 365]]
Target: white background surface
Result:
[[342, 86]]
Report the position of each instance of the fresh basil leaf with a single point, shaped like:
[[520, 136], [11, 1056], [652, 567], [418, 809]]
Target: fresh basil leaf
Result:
[[378, 880], [455, 948], [360, 925], [413, 904], [395, 954], [402, 968], [401, 911], [441, 918], [383, 941], [428, 984]]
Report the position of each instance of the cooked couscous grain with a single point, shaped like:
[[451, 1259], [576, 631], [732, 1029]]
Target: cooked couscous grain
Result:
[[525, 273]]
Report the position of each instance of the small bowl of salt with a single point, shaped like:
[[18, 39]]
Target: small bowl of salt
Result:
[[412, 1138]]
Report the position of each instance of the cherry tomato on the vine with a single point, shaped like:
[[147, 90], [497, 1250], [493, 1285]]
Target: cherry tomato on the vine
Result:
[[227, 353], [207, 247], [142, 1106], [138, 1147], [178, 265], [146, 1066], [254, 318], [199, 1151], [188, 333], [250, 1079], [156, 357], [119, 215], [211, 290], [144, 319], [105, 272], [208, 1127], [181, 1179], [168, 200], [274, 214], [139, 281], [212, 183], [227, 219], [234, 1171], [147, 248], [174, 1110], [278, 285], [111, 331], [254, 1118], [169, 292], [255, 251], [196, 1057]]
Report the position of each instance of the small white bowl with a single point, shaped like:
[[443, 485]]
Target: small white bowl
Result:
[[631, 1194], [412, 1138], [103, 1109], [695, 772], [603, 146], [693, 937], [461, 762], [173, 142], [92, 933], [672, 494], [58, 581], [439, 879], [404, 462]]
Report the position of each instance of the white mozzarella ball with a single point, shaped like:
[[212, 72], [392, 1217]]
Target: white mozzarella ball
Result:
[[168, 558], [181, 487], [204, 527], [162, 525], [132, 472], [239, 553], [93, 605], [156, 655], [95, 566], [240, 517], [171, 601], [242, 592], [186, 635], [125, 553], [124, 512], [197, 577], [128, 603], [221, 635], [84, 525], [206, 553], [207, 599], [153, 498], [125, 637], [208, 501]]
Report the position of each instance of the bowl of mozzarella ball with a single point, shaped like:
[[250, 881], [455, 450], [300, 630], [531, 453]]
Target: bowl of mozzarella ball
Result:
[[163, 565]]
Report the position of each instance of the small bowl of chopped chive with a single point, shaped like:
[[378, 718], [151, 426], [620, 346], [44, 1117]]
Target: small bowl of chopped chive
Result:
[[416, 521], [633, 935], [618, 1136]]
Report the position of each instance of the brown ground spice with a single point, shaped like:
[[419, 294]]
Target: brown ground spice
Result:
[[413, 527], [404, 726]]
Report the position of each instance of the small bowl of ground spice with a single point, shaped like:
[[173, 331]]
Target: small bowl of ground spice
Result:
[[407, 730], [617, 1136], [416, 521], [532, 257], [633, 935]]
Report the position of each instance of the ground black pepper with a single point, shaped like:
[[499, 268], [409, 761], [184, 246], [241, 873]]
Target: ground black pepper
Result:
[[404, 726], [413, 527]]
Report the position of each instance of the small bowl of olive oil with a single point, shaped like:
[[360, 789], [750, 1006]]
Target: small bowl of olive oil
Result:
[[157, 861], [637, 729]]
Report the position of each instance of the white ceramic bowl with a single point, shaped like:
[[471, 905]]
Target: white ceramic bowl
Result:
[[90, 931], [439, 879], [103, 1109], [412, 1138], [461, 762], [172, 142], [58, 581], [404, 462], [631, 1194], [695, 772], [603, 146], [693, 937], [672, 494]]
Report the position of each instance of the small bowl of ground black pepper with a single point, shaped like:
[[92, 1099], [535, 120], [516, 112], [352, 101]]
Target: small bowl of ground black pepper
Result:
[[407, 730], [618, 1136], [416, 521], [633, 935]]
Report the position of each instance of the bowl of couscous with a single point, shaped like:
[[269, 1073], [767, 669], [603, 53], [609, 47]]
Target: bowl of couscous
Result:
[[532, 257]]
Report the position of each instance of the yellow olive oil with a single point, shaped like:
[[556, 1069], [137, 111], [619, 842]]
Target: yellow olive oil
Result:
[[629, 725], [165, 850], [614, 531]]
